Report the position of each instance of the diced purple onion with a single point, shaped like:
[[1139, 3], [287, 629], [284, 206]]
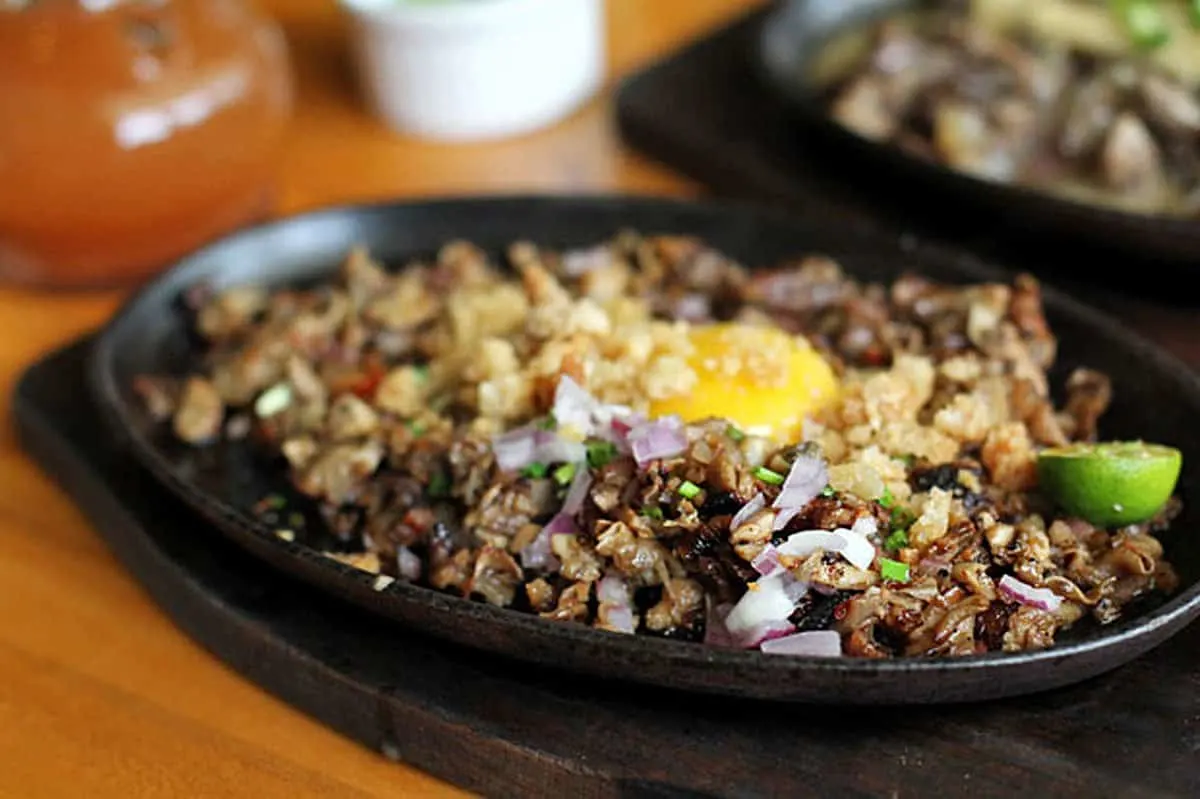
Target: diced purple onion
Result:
[[573, 406], [561, 523], [518, 448], [767, 631], [612, 590], [408, 564], [807, 478], [661, 438], [620, 618], [515, 449], [806, 542], [715, 633], [1017, 591], [576, 263], [537, 554], [810, 643], [855, 548], [865, 526], [756, 503], [577, 493], [693, 307], [765, 605], [767, 561], [858, 550]]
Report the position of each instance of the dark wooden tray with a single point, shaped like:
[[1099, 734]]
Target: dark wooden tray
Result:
[[508, 729], [707, 111]]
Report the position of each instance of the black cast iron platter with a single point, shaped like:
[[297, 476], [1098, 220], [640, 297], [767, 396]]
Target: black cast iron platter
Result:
[[797, 30], [1156, 398], [506, 729]]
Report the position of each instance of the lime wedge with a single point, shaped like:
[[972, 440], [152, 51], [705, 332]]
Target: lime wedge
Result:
[[1110, 484]]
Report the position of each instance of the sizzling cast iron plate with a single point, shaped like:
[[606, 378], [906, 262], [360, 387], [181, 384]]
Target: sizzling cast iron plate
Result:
[[796, 30], [506, 729], [1156, 398]]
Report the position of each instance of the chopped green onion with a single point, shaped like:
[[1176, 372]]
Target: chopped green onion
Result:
[[768, 476], [296, 519], [535, 470], [416, 427], [688, 489], [600, 453], [439, 485], [828, 491], [652, 512], [564, 474], [893, 570], [908, 459], [421, 371], [737, 435], [886, 499], [549, 423], [895, 541], [1143, 21], [274, 400], [275, 501]]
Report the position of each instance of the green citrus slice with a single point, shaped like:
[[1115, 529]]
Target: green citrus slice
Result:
[[1110, 484]]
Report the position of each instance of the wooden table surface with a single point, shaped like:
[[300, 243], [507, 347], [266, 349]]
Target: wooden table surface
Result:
[[100, 695]]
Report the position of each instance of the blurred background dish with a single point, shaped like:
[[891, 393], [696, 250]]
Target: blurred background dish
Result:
[[133, 132], [476, 69], [1069, 115]]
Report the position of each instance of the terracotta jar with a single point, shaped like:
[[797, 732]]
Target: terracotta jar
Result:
[[132, 131]]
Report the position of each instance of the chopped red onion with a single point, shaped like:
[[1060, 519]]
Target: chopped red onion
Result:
[[518, 448], [661, 438], [715, 633], [408, 564], [803, 544], [865, 526], [858, 550], [515, 449], [766, 604], [763, 633], [693, 307], [810, 643], [1017, 591], [577, 493], [850, 545], [556, 449], [795, 589], [620, 618], [807, 478], [767, 561], [561, 523], [539, 553], [573, 406], [757, 503], [576, 263], [612, 590]]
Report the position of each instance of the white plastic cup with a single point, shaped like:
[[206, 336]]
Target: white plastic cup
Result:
[[459, 70]]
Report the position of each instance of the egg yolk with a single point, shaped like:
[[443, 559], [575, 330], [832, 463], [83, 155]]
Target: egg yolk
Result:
[[762, 379]]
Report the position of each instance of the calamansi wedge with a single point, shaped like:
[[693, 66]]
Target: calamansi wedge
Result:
[[1110, 484]]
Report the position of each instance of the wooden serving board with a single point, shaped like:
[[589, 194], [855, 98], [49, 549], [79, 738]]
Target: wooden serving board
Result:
[[507, 729]]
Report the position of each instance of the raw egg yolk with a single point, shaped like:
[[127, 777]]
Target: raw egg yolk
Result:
[[762, 379]]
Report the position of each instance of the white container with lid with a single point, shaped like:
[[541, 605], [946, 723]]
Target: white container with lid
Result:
[[458, 70]]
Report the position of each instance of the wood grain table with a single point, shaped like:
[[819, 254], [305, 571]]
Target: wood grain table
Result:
[[100, 695]]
